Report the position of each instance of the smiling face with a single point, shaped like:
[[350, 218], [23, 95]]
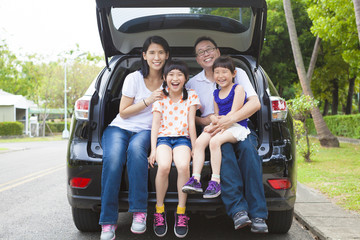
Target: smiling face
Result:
[[175, 80], [206, 53], [155, 56], [223, 76]]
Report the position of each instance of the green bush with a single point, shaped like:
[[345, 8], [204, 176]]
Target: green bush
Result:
[[11, 128], [339, 125], [56, 127]]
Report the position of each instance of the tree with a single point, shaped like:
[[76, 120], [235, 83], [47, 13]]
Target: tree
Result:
[[331, 77], [334, 21], [325, 136], [48, 90], [357, 15], [8, 70], [80, 73], [276, 55], [301, 107]]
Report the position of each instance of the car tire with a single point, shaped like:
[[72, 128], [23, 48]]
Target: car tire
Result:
[[86, 220], [280, 221]]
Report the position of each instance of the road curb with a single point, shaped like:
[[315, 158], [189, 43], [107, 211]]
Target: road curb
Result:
[[12, 150], [313, 229]]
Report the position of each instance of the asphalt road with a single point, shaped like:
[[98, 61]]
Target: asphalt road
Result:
[[33, 202]]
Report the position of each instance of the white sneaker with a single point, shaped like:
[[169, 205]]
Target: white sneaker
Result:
[[138, 225], [108, 232]]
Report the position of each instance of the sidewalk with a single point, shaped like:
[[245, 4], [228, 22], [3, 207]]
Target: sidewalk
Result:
[[323, 218]]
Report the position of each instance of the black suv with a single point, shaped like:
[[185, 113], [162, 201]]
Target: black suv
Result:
[[123, 27]]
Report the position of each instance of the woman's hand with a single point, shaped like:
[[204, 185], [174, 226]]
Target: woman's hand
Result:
[[155, 95]]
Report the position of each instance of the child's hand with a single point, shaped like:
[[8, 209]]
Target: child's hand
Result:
[[152, 158], [214, 119], [208, 128]]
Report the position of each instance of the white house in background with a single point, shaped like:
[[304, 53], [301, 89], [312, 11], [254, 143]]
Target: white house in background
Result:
[[15, 108]]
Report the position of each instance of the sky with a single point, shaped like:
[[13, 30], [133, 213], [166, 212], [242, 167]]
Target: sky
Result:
[[49, 27]]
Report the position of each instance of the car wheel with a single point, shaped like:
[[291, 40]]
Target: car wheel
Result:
[[280, 221], [86, 220]]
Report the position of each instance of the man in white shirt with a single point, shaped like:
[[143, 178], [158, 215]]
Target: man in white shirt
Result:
[[242, 199]]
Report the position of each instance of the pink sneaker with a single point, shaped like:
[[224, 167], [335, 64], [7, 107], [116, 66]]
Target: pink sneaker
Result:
[[138, 225], [108, 232]]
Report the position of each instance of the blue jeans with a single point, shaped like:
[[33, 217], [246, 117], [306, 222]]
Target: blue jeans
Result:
[[120, 148], [174, 142], [241, 178]]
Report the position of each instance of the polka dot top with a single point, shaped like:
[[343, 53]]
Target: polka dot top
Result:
[[174, 115]]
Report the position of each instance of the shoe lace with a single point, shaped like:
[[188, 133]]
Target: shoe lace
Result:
[[240, 214], [212, 185], [258, 220], [159, 219], [182, 220], [108, 227], [191, 181], [139, 217]]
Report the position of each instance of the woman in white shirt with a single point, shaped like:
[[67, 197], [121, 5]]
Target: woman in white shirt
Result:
[[126, 140]]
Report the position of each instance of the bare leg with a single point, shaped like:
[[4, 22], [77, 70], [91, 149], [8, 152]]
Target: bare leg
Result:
[[199, 153], [182, 155], [164, 160], [215, 151]]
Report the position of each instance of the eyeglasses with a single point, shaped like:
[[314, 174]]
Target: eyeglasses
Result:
[[201, 53]]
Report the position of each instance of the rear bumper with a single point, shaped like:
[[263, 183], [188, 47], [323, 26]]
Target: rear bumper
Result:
[[89, 198], [194, 204]]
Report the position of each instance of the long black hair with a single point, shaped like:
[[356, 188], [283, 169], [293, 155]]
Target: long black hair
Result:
[[182, 67], [153, 39]]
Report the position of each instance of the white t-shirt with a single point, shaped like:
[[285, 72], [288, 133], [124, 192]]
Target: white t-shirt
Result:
[[205, 88], [134, 87]]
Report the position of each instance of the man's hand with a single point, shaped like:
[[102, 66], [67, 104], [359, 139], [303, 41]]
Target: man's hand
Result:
[[223, 123]]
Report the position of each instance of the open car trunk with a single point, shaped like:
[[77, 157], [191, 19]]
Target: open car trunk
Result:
[[235, 24]]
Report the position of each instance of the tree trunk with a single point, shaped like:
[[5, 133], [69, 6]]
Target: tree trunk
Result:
[[326, 107], [357, 15], [313, 60], [326, 138], [335, 98], [350, 96]]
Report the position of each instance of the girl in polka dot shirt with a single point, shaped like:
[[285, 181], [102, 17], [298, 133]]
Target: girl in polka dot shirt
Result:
[[172, 135]]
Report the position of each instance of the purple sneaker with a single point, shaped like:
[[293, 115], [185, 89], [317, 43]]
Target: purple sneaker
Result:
[[192, 186], [213, 190]]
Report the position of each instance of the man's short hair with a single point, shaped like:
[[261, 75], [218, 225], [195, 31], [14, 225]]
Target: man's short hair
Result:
[[204, 38]]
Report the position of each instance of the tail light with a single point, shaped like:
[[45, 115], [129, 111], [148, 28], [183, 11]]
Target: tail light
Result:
[[78, 182], [82, 108], [280, 183], [278, 109]]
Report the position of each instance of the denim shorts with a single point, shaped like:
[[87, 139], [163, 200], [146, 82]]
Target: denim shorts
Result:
[[174, 142]]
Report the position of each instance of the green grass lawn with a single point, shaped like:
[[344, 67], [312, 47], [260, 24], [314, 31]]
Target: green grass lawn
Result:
[[335, 172]]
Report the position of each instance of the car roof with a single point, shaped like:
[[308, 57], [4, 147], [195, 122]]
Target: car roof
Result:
[[180, 3], [180, 29]]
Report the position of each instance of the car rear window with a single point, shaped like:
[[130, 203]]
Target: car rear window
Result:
[[133, 20]]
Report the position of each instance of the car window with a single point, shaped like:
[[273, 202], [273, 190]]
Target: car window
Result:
[[130, 20]]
